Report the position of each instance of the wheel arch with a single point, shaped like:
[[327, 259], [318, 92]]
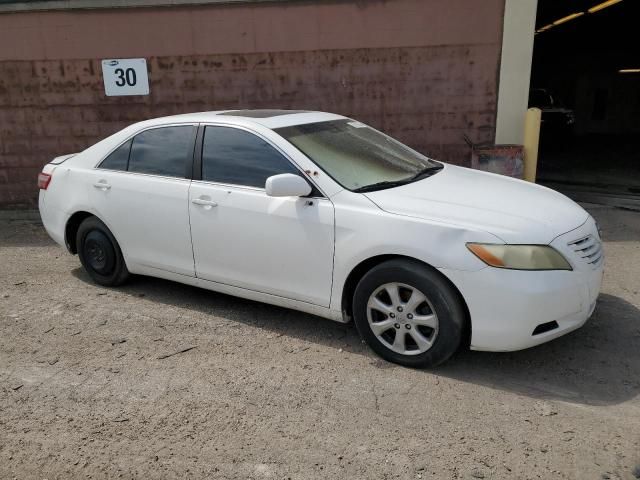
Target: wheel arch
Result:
[[366, 265], [71, 228]]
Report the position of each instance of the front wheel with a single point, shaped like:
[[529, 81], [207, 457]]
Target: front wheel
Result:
[[409, 314], [100, 253]]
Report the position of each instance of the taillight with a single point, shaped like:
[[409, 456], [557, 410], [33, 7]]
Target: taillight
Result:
[[43, 180]]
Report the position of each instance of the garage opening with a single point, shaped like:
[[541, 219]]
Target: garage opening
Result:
[[586, 79]]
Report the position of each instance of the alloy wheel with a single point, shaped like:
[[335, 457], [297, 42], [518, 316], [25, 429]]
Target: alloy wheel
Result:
[[402, 318]]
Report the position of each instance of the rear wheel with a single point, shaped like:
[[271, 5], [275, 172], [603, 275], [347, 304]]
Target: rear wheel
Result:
[[408, 313], [100, 253]]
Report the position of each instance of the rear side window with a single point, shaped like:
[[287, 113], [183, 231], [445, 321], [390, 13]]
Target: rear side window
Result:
[[118, 159], [237, 157], [162, 151]]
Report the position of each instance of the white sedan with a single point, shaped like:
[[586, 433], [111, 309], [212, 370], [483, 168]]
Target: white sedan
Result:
[[323, 214]]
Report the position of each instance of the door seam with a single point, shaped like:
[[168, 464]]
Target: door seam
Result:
[[193, 254]]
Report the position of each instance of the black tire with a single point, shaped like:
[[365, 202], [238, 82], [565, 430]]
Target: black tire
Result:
[[443, 300], [100, 253]]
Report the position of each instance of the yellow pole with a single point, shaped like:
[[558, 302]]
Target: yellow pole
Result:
[[531, 141]]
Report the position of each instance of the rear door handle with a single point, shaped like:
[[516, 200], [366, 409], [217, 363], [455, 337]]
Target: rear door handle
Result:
[[102, 185], [204, 202]]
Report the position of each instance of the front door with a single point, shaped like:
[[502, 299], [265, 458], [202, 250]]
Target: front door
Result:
[[242, 237]]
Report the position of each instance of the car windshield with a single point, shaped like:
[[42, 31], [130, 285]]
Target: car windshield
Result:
[[358, 157]]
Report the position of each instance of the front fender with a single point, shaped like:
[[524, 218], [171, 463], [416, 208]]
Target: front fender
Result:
[[364, 231]]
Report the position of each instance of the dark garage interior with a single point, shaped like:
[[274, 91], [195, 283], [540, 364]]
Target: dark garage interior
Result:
[[586, 79]]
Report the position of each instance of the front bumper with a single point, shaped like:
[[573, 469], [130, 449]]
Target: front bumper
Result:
[[506, 306]]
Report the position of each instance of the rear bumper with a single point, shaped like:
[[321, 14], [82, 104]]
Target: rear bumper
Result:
[[53, 220], [506, 306]]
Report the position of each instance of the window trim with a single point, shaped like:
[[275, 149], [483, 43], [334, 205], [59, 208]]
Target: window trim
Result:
[[188, 160], [197, 165]]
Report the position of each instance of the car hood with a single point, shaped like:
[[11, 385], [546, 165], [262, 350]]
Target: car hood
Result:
[[513, 210]]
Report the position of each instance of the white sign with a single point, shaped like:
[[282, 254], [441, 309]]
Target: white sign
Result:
[[125, 77]]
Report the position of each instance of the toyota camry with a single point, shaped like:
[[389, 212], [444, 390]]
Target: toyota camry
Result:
[[323, 214]]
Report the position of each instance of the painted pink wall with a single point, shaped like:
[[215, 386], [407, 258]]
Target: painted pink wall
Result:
[[249, 28]]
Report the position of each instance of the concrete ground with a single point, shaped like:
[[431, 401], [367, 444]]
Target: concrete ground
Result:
[[92, 385]]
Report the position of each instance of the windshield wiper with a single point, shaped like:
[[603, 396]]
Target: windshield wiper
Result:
[[424, 173], [380, 185]]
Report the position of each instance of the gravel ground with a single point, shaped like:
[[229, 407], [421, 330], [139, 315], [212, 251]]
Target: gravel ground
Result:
[[92, 385]]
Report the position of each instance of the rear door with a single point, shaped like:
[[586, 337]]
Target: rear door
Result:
[[245, 238], [141, 191]]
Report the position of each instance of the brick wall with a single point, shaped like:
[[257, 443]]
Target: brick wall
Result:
[[425, 92]]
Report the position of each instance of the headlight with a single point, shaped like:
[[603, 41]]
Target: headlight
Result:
[[520, 257]]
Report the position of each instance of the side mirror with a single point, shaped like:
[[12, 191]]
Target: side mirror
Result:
[[287, 185]]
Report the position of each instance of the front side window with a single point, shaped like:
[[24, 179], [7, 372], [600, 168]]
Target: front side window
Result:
[[358, 157], [162, 151], [237, 157]]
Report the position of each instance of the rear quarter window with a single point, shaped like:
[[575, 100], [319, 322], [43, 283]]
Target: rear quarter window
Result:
[[118, 159]]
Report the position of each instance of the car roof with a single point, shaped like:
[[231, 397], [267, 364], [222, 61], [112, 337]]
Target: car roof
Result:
[[268, 118]]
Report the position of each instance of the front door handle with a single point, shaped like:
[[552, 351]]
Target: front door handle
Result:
[[102, 185], [204, 202]]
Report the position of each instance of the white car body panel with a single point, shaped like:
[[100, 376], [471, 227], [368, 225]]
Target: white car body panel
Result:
[[282, 246], [515, 211], [299, 252], [530, 298], [245, 293], [149, 213], [432, 242]]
